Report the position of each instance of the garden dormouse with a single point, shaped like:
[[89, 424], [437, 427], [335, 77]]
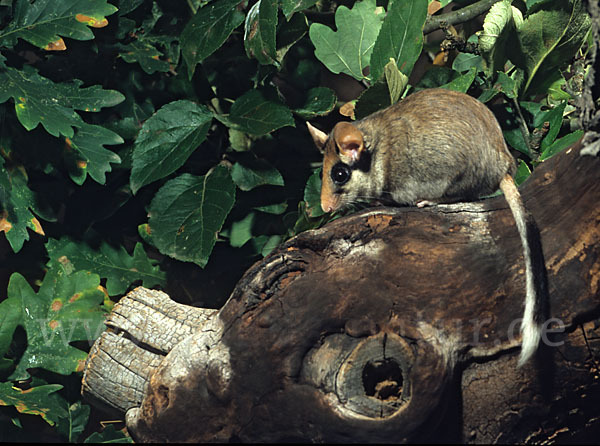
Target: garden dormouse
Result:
[[435, 146]]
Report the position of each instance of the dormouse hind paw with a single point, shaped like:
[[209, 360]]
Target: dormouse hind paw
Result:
[[423, 203]]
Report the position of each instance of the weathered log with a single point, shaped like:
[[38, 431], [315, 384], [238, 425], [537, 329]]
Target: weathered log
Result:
[[142, 329], [394, 324]]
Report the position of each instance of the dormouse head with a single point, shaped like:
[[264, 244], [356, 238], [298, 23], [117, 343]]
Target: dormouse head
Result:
[[342, 152]]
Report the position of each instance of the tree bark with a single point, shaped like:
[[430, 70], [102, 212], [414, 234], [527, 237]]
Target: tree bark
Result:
[[394, 324]]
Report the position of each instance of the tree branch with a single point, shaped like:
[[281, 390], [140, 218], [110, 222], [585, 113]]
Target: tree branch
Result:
[[459, 16]]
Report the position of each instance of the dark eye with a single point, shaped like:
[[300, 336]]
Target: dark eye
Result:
[[340, 174]]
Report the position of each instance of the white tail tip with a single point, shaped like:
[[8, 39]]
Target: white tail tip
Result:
[[531, 334]]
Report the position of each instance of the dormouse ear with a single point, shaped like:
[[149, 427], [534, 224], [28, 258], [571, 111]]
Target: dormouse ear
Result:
[[349, 140], [318, 136]]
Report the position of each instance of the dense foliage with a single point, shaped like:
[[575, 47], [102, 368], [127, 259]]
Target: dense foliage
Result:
[[162, 143]]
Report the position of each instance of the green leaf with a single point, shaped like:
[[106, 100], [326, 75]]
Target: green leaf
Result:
[[241, 231], [39, 100], [396, 81], [374, 98], [275, 209], [144, 233], [207, 31], [188, 212], [400, 38], [511, 127], [126, 6], [530, 3], [523, 172], [289, 7], [56, 112], [166, 141], [514, 138], [259, 32], [109, 435], [34, 401], [348, 50], [312, 195], [253, 173], [74, 423], [506, 85], [549, 37], [45, 21], [498, 35], [462, 83], [17, 202], [555, 91], [304, 222], [89, 141], [145, 53], [288, 33], [240, 141], [496, 21], [319, 101], [464, 61], [436, 76], [118, 267], [65, 309], [10, 318], [487, 95], [554, 118], [257, 115], [560, 144], [270, 244]]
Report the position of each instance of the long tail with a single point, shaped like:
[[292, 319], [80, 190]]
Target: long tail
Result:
[[536, 296]]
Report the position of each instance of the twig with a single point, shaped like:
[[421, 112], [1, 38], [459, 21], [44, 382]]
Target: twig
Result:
[[192, 7], [459, 16], [431, 24]]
